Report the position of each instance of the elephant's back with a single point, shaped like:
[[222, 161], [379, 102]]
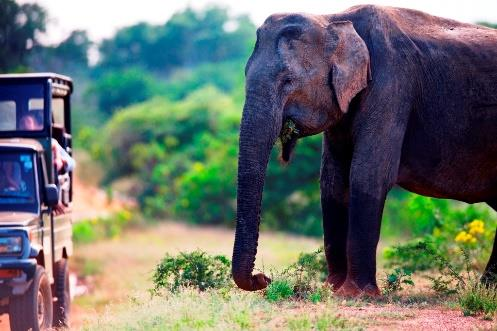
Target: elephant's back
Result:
[[418, 25]]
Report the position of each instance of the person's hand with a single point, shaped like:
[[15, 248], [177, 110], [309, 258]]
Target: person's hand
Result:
[[59, 209], [59, 164]]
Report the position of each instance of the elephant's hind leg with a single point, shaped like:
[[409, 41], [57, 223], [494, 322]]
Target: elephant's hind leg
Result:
[[490, 273]]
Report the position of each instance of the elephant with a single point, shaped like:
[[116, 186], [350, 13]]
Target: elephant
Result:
[[401, 97]]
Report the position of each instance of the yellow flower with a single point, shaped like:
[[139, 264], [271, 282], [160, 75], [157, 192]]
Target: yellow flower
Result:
[[198, 167], [476, 227], [461, 236], [465, 237]]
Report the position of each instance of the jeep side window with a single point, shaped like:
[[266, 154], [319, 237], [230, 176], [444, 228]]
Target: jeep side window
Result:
[[20, 104], [7, 115]]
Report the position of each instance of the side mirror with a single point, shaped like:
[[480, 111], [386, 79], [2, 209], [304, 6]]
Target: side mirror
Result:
[[51, 195]]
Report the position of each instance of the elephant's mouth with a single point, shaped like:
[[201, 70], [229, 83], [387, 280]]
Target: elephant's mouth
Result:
[[288, 137]]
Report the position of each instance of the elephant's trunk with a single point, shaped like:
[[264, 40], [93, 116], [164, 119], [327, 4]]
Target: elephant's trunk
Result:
[[260, 126]]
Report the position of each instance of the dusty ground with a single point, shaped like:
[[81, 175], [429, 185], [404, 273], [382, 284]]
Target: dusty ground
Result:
[[126, 263]]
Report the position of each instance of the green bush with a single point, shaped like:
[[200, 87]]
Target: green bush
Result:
[[196, 269]]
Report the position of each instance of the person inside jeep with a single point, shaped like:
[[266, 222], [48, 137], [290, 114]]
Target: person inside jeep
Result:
[[10, 179], [63, 162]]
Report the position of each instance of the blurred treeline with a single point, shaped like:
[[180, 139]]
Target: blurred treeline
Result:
[[160, 111]]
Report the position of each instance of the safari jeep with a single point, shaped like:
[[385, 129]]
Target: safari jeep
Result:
[[35, 200]]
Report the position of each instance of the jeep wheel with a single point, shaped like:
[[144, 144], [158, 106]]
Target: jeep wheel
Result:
[[33, 309], [62, 306]]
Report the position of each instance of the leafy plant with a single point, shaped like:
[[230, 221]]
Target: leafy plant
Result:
[[307, 274], [279, 290], [302, 279], [395, 280], [196, 269]]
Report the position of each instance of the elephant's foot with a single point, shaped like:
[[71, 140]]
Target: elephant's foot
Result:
[[350, 289], [335, 280], [489, 278]]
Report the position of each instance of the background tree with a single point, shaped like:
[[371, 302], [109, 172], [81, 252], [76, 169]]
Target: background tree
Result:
[[70, 56], [20, 27]]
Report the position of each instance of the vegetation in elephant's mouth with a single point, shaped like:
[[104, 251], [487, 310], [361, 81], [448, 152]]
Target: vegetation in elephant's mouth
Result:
[[288, 137], [288, 131]]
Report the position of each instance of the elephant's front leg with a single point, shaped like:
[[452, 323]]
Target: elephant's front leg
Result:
[[363, 236], [373, 172], [334, 187]]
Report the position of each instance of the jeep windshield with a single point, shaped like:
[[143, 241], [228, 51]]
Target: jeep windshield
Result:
[[18, 190], [21, 107]]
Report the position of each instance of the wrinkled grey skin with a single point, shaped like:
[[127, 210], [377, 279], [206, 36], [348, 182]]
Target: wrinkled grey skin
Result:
[[402, 98]]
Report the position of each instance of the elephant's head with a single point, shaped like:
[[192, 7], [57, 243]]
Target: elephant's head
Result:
[[300, 79]]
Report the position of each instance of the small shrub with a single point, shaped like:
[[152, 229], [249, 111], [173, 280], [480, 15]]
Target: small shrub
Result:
[[83, 232], [320, 294], [196, 269], [307, 274], [279, 290], [478, 299], [394, 281]]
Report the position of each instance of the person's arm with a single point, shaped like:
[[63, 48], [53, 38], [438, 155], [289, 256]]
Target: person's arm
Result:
[[62, 160], [67, 160]]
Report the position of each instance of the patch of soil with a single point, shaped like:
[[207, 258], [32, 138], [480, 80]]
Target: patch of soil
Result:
[[393, 317]]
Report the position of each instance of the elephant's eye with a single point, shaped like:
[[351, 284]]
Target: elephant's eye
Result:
[[287, 81]]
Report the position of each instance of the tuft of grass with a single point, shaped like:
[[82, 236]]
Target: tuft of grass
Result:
[[279, 290], [323, 322], [478, 299], [299, 323], [196, 269]]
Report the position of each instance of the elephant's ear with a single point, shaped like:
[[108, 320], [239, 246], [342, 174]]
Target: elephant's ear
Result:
[[349, 60]]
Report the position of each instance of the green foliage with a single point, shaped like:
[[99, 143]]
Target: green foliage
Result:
[[460, 227], [87, 231], [227, 76], [279, 290], [413, 255], [196, 269], [395, 280], [118, 89], [70, 56], [187, 39]]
